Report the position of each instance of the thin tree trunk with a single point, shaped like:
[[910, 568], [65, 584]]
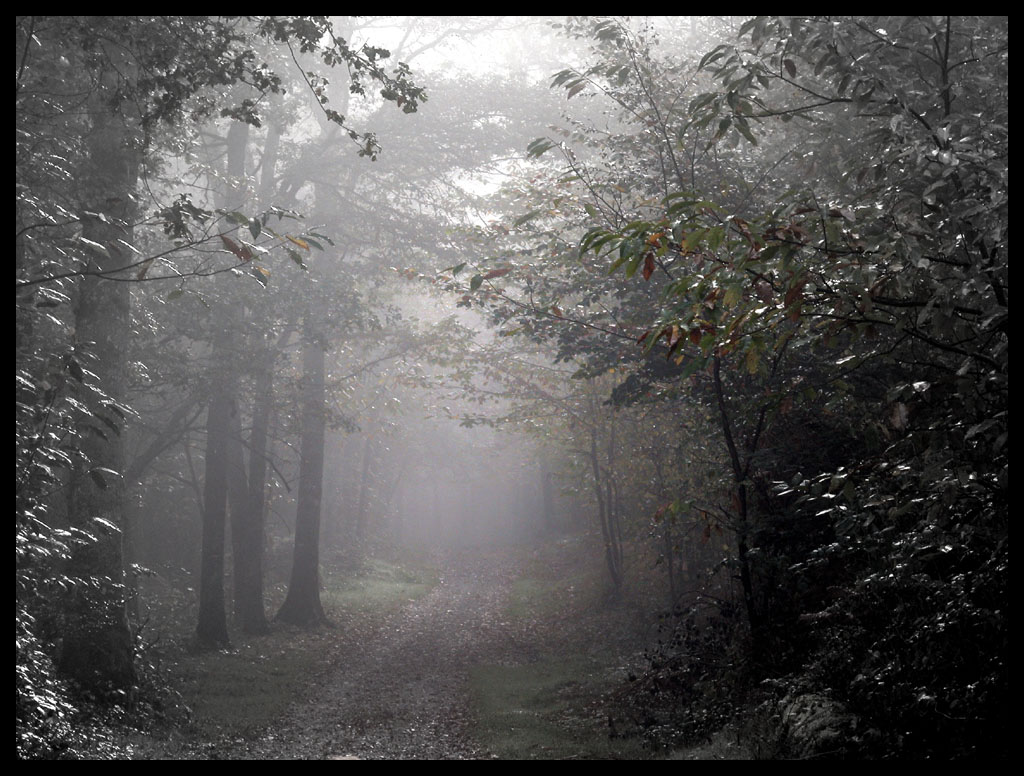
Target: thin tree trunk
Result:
[[212, 627], [248, 518], [742, 527], [602, 513], [302, 606], [248, 527], [548, 499], [364, 490]]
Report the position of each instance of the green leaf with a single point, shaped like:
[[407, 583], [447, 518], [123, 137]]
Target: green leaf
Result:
[[723, 127], [524, 218], [475, 282], [744, 128], [538, 147], [323, 237], [294, 256]]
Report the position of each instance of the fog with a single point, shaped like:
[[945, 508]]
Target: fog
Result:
[[640, 376]]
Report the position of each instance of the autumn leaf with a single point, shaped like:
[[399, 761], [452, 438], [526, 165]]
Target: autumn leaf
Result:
[[301, 243], [241, 251], [795, 292], [497, 273], [753, 360], [648, 265], [674, 341]]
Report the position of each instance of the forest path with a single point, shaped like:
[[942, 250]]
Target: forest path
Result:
[[405, 694]]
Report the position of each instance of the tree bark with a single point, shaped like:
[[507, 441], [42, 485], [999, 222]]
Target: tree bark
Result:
[[212, 629], [740, 472], [248, 523], [364, 490], [302, 606]]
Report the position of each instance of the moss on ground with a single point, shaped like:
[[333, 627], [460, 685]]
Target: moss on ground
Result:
[[547, 710], [554, 706], [380, 586]]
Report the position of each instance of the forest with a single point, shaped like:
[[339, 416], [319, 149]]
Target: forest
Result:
[[511, 387]]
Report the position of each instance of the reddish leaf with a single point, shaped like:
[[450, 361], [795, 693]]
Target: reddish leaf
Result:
[[648, 265], [795, 292], [675, 340], [241, 251], [497, 273]]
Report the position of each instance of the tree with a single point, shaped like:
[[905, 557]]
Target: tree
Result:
[[804, 233], [97, 650], [134, 76], [874, 291], [302, 606]]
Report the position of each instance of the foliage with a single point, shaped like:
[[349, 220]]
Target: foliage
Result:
[[771, 274], [77, 77], [823, 234]]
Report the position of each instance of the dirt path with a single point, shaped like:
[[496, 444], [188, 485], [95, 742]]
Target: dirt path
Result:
[[405, 695]]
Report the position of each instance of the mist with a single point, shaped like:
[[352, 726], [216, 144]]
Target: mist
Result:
[[520, 387]]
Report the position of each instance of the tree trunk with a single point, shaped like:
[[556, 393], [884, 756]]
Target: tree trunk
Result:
[[212, 629], [248, 522], [302, 605], [248, 517], [548, 499], [740, 473], [603, 507], [364, 490], [97, 648]]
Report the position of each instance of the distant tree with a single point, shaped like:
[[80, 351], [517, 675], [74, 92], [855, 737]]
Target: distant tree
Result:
[[77, 252]]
